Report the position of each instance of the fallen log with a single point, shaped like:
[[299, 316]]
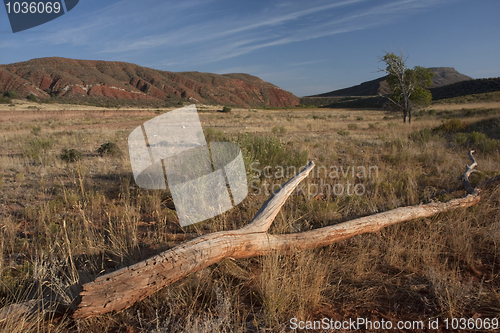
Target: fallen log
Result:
[[121, 289]]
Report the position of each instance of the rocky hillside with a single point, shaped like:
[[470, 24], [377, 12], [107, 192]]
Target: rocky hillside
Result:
[[442, 76], [120, 83]]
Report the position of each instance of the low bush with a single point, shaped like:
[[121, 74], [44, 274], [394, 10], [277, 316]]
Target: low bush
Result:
[[477, 141], [109, 149], [11, 94], [422, 136], [5, 100], [352, 126], [279, 130], [453, 126], [36, 130], [212, 135], [37, 147], [482, 143], [70, 155], [461, 139], [270, 151], [343, 132]]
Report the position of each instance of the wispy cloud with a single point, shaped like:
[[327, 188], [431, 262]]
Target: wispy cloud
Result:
[[232, 39], [207, 31]]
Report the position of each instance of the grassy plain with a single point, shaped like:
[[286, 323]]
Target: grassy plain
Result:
[[64, 221]]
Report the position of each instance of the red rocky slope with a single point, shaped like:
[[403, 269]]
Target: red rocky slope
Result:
[[90, 81]]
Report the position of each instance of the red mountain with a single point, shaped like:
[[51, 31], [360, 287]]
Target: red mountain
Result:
[[88, 81]]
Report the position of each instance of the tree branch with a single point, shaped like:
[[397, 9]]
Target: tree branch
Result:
[[469, 169], [121, 289]]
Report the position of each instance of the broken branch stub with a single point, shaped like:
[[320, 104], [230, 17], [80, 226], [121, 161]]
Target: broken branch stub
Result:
[[121, 289]]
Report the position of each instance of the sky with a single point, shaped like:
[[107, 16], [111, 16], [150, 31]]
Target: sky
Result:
[[306, 47]]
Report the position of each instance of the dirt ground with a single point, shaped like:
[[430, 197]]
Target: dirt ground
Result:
[[30, 111], [485, 105]]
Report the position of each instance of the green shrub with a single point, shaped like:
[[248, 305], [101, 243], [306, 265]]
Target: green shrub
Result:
[[478, 141], [11, 94], [461, 139], [109, 149], [36, 147], [343, 132], [453, 126], [482, 143], [476, 137], [70, 155], [36, 130], [488, 146], [360, 118], [279, 130], [32, 98], [226, 109], [422, 136], [5, 100], [270, 151], [212, 135], [352, 126]]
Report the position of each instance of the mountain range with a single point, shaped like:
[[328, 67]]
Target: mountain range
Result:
[[116, 83], [442, 76], [112, 83]]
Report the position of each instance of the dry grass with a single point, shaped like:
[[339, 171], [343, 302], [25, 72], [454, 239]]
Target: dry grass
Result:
[[64, 223]]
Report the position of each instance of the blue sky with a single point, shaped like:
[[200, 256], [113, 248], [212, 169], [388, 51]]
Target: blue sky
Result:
[[306, 47]]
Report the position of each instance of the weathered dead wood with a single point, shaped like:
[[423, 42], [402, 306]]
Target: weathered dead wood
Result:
[[469, 169], [121, 289]]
